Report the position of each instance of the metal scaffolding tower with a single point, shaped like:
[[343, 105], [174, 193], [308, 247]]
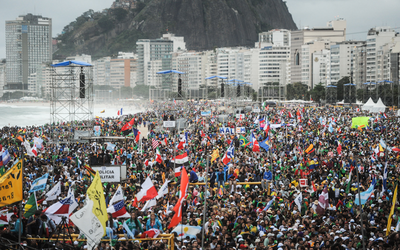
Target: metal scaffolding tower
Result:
[[331, 94], [349, 93], [71, 94]]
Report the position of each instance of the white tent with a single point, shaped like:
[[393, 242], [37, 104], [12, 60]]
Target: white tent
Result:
[[368, 105], [378, 107]]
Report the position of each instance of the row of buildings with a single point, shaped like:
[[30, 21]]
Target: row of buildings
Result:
[[279, 57]]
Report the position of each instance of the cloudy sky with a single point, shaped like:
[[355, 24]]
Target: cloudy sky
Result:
[[360, 14]]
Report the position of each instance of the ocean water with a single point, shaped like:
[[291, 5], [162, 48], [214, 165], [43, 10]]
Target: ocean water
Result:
[[17, 115]]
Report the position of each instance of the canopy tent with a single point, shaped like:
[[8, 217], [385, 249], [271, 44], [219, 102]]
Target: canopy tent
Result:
[[68, 63], [368, 105], [378, 107]]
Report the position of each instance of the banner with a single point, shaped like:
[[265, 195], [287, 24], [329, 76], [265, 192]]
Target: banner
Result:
[[224, 130], [11, 185], [109, 174], [240, 130], [361, 121], [169, 124], [206, 113], [97, 130]]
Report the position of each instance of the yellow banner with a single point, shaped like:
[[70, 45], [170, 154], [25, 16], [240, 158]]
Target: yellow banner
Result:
[[391, 213], [11, 185], [214, 155], [96, 194]]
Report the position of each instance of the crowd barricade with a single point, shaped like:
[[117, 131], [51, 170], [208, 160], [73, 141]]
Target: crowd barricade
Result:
[[62, 238], [203, 183]]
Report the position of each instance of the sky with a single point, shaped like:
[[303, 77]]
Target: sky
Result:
[[361, 15]]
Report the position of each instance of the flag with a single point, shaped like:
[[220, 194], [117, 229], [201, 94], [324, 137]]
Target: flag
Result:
[[385, 174], [118, 196], [155, 143], [146, 162], [391, 212], [215, 155], [94, 212], [310, 149], [38, 142], [163, 190], [178, 207], [5, 217], [147, 192], [182, 142], [269, 204], [166, 141], [314, 189], [63, 207], [349, 181], [2, 171], [90, 170], [118, 210], [178, 171], [265, 144], [202, 134], [339, 149], [39, 184], [127, 127], [54, 192], [158, 156], [149, 204], [28, 148], [228, 155], [243, 141], [323, 201], [180, 160], [137, 134], [11, 185], [30, 206], [188, 231], [5, 158], [103, 111], [366, 194], [256, 147], [298, 200], [267, 128]]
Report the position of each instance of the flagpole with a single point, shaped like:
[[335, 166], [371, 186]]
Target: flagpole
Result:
[[205, 203], [20, 204], [359, 203]]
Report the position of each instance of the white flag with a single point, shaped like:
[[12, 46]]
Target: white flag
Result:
[[119, 195], [54, 192], [163, 190], [88, 224], [298, 201], [28, 149], [149, 204]]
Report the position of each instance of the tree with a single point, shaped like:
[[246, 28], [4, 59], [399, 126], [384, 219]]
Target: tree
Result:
[[340, 87], [318, 93], [297, 90], [119, 14], [126, 92], [141, 90]]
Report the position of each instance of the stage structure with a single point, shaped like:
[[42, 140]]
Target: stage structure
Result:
[[222, 92], [368, 91], [71, 94], [349, 93], [385, 92], [331, 94], [180, 91], [271, 91]]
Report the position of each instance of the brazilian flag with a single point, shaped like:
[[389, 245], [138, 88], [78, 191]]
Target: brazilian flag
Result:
[[243, 141]]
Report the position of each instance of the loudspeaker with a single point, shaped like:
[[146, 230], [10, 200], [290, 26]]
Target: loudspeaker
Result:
[[180, 87], [222, 89], [81, 85]]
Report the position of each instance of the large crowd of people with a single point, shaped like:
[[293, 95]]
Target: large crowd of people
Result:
[[268, 198]]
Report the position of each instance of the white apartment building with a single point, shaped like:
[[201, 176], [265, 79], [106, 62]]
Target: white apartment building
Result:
[[179, 41], [342, 61], [320, 67], [153, 79], [276, 37], [28, 44], [379, 41], [80, 58], [101, 71], [274, 65], [2, 77], [301, 45]]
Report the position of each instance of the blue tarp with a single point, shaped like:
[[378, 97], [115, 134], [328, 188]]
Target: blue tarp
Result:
[[67, 63], [212, 77], [349, 84], [170, 71]]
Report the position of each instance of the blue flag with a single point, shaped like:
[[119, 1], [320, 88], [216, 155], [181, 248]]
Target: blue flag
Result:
[[39, 183], [265, 144]]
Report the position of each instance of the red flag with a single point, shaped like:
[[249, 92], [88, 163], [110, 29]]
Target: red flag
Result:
[[339, 149], [166, 141], [127, 126], [158, 157], [178, 207], [323, 201], [147, 192]]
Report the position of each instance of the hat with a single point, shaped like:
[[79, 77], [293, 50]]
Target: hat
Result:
[[352, 221], [280, 245]]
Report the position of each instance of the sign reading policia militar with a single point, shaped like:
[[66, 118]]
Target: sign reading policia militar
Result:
[[11, 185]]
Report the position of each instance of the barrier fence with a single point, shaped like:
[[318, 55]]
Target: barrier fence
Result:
[[65, 238]]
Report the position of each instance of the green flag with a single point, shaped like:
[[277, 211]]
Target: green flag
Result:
[[243, 141], [2, 170], [30, 206], [349, 182]]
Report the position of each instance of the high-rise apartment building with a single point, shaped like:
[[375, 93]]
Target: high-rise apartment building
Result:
[[307, 41], [28, 44]]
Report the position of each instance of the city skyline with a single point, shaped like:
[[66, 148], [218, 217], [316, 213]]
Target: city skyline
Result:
[[373, 14]]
